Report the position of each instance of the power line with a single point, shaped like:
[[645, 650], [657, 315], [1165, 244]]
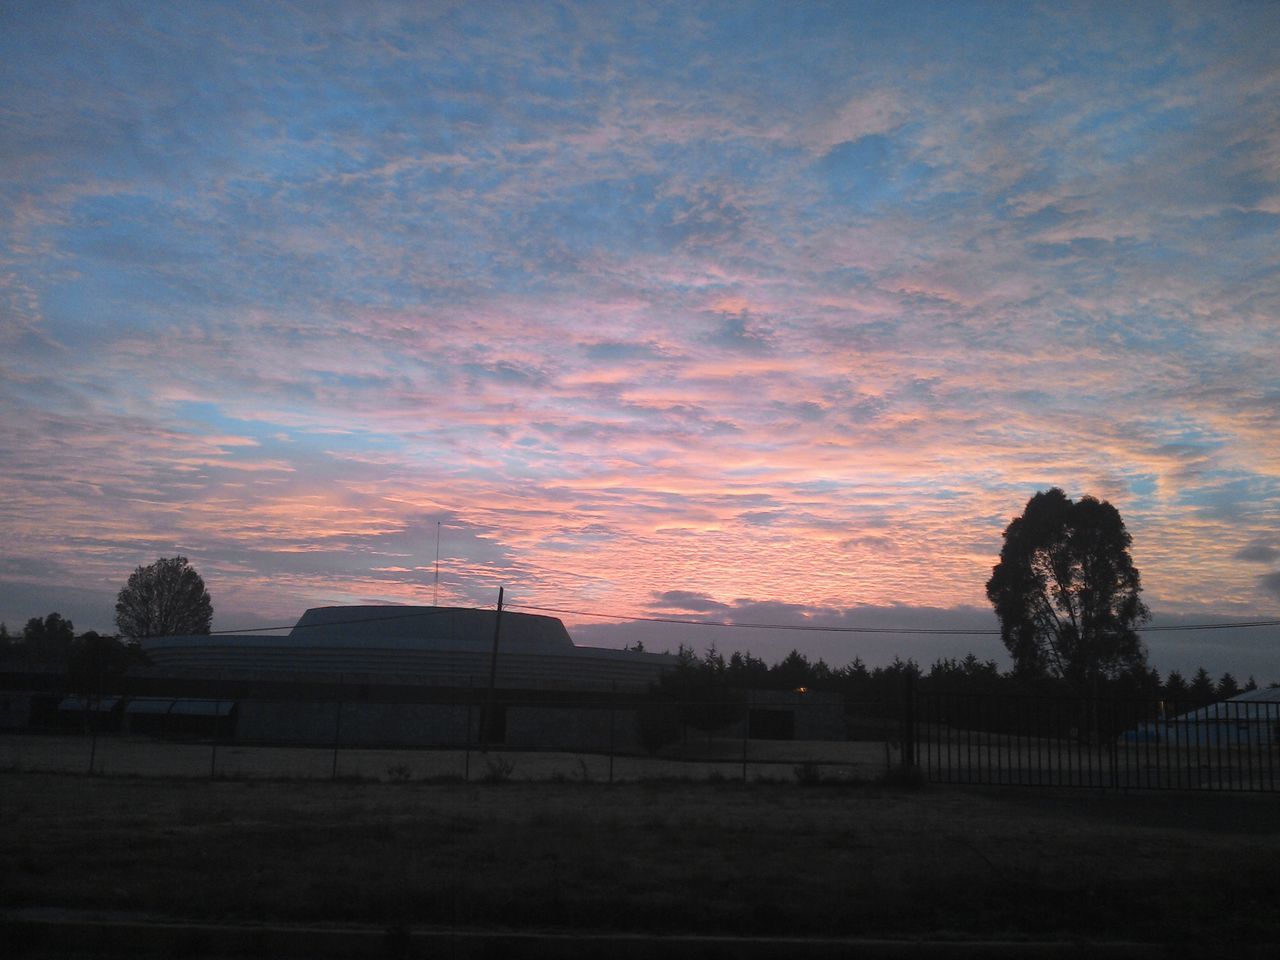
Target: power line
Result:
[[931, 631], [761, 626], [1214, 626]]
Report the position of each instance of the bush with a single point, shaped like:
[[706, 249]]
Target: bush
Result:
[[498, 770]]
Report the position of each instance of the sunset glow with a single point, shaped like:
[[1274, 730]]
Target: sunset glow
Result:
[[709, 309]]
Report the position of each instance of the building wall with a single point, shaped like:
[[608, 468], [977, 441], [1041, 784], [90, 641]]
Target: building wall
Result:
[[15, 710], [371, 724], [815, 715], [593, 729], [589, 727]]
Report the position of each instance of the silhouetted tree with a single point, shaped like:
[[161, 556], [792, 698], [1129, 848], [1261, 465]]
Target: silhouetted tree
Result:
[[167, 598], [1175, 686], [747, 672], [48, 640], [853, 681], [792, 672], [97, 663], [1067, 593], [1202, 689], [1227, 687], [702, 688], [1250, 685]]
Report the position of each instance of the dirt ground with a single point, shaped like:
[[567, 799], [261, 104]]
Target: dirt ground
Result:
[[763, 858]]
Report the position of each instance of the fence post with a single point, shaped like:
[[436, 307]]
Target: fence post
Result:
[[909, 720], [213, 749], [466, 757], [337, 738], [613, 700], [93, 733]]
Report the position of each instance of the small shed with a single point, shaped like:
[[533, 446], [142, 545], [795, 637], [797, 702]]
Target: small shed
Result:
[[90, 713]]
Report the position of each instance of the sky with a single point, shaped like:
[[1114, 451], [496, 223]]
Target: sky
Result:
[[744, 311]]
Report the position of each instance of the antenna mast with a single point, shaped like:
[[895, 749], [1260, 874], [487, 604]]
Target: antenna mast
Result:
[[435, 597]]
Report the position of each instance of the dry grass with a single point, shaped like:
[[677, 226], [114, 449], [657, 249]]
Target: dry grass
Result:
[[765, 858]]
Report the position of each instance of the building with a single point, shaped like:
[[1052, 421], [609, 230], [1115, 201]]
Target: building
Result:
[[1250, 719], [403, 676]]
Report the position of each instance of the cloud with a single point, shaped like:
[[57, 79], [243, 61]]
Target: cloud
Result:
[[685, 600], [1270, 582], [740, 333], [771, 306], [1257, 552]]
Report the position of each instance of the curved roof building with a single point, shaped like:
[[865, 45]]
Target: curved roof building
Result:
[[437, 646]]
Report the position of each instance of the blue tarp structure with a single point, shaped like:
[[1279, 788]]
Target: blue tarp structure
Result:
[[1249, 720]]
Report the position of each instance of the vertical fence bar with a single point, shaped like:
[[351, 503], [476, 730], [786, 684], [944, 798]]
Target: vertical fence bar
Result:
[[928, 708], [935, 738], [1142, 755], [909, 720], [1242, 769], [213, 749], [932, 732], [941, 745], [1204, 770], [93, 733], [1054, 746], [1193, 734], [1005, 731], [337, 738], [1012, 759], [1087, 743], [968, 740], [1183, 754], [1067, 742], [1027, 772], [466, 743], [991, 732], [1000, 731], [1037, 731], [613, 703], [1272, 726], [1112, 758]]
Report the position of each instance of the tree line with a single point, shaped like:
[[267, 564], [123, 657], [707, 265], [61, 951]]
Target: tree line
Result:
[[91, 661], [165, 598], [714, 676], [1068, 598], [1065, 590]]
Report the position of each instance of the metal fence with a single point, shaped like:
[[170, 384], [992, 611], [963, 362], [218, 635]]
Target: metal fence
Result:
[[754, 736], [1096, 743], [951, 738]]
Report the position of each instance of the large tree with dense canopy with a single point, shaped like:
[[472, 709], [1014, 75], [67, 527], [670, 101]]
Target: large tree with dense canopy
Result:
[[1067, 593], [167, 598]]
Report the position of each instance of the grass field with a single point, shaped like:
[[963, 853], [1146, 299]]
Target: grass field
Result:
[[655, 857]]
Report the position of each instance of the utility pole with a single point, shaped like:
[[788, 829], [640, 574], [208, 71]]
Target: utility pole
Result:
[[493, 678]]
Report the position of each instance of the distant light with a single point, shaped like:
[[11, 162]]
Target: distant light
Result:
[[802, 689]]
